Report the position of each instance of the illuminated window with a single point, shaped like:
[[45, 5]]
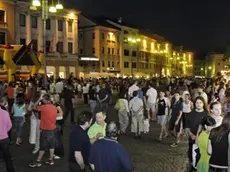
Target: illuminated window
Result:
[[144, 44], [70, 26], [152, 46], [126, 64]]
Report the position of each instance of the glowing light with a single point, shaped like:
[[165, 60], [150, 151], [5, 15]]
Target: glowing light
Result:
[[147, 77], [59, 6], [178, 58], [137, 76], [144, 44], [129, 39], [33, 8], [138, 39], [152, 46], [134, 41], [171, 58], [89, 59], [201, 68], [52, 9], [71, 15], [36, 3], [209, 67], [174, 53]]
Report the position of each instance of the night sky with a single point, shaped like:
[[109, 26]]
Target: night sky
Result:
[[199, 25]]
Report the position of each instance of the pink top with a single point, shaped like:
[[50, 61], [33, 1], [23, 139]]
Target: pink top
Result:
[[5, 124]]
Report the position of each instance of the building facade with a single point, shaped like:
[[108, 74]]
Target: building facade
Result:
[[214, 64], [199, 67], [61, 35], [99, 46], [125, 50], [7, 21]]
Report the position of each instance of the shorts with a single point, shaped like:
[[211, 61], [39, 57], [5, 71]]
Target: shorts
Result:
[[173, 127], [151, 106], [47, 139], [162, 119]]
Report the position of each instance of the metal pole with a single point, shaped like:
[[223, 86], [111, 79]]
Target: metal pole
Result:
[[44, 18]]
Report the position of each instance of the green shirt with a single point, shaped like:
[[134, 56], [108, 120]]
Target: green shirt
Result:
[[203, 164], [95, 129]]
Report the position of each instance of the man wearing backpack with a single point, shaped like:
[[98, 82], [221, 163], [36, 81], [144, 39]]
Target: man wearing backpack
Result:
[[137, 111]]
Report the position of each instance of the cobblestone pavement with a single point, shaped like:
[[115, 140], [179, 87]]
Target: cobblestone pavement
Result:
[[147, 154]]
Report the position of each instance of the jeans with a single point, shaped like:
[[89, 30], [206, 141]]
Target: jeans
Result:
[[18, 124], [59, 150], [85, 98], [5, 149], [93, 105]]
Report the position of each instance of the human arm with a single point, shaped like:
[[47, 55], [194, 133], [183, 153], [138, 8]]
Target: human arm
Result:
[[79, 158], [60, 112], [210, 147], [179, 117]]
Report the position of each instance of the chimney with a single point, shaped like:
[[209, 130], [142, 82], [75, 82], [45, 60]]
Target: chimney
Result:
[[120, 20]]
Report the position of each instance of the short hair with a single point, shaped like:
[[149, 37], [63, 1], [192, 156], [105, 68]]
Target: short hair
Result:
[[84, 117], [135, 93], [213, 104], [112, 129], [208, 121], [3, 99]]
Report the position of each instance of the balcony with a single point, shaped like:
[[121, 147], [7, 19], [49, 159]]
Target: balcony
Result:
[[3, 25]]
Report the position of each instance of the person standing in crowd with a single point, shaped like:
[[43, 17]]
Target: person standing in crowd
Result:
[[69, 103], [216, 110], [92, 99], [97, 130], [107, 155], [10, 94], [151, 101], [123, 113], [136, 107], [132, 88], [187, 108], [59, 87], [162, 110], [103, 98], [79, 143], [5, 127], [193, 122], [59, 149], [48, 115], [19, 112], [85, 90], [202, 142], [176, 118], [203, 94], [218, 146]]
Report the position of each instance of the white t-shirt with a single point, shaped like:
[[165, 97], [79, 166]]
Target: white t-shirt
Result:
[[152, 95], [133, 88]]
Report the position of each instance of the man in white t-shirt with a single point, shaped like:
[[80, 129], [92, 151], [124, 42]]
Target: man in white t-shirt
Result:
[[133, 88], [151, 101]]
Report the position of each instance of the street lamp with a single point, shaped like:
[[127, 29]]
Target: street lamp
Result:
[[52, 9], [133, 41]]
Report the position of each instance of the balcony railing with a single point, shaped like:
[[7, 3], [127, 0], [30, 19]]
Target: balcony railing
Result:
[[3, 25]]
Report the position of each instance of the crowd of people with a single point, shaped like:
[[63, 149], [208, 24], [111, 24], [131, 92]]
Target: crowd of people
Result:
[[195, 108]]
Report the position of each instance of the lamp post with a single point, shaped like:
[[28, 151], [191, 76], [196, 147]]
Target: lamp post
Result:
[[45, 9], [133, 41]]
